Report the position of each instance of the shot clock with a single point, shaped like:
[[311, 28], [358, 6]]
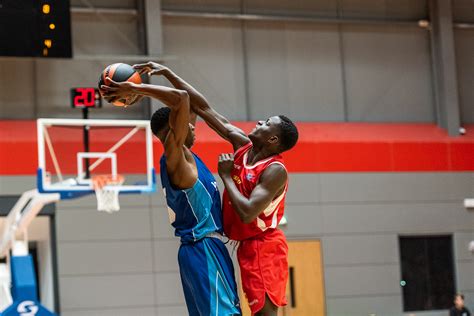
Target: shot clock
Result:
[[85, 98]]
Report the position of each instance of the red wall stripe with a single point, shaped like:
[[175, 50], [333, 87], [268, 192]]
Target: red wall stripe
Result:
[[323, 147]]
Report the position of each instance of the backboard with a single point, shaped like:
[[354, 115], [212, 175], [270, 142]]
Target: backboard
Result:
[[72, 151]]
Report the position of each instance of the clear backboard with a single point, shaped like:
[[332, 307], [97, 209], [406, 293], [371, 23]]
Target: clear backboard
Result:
[[74, 152]]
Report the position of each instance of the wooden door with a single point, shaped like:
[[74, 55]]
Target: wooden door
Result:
[[305, 288]]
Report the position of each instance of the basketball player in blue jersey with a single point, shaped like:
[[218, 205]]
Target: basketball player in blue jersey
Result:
[[193, 199]]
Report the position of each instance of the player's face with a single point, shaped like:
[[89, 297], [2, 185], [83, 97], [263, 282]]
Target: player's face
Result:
[[191, 137], [266, 131]]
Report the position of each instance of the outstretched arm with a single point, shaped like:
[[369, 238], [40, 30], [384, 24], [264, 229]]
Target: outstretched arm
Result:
[[199, 105], [182, 172], [271, 185]]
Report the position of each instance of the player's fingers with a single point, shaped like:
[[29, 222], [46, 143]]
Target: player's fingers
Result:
[[154, 72], [143, 70], [111, 82], [110, 99], [107, 89], [138, 98], [140, 66], [110, 92]]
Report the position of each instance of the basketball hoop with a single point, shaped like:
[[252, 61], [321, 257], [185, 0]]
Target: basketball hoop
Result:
[[105, 187]]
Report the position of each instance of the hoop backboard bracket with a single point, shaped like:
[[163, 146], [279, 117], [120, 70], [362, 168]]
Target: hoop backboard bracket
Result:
[[119, 147]]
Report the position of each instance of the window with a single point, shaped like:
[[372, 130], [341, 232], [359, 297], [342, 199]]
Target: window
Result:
[[427, 272]]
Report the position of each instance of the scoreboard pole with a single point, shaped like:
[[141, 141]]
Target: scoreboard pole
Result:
[[85, 115], [85, 98]]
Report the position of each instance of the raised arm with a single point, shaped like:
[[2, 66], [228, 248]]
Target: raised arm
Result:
[[271, 184], [179, 162], [199, 105]]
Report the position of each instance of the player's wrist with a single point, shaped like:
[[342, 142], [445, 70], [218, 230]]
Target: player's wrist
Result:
[[166, 72], [136, 88], [225, 175]]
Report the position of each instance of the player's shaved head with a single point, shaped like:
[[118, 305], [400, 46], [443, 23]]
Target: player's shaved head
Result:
[[160, 120], [288, 133]]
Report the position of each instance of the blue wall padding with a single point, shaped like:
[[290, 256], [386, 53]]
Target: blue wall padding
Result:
[[23, 278], [27, 308]]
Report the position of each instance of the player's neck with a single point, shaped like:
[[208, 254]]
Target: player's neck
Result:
[[255, 154]]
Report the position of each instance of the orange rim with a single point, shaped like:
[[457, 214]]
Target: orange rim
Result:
[[100, 181]]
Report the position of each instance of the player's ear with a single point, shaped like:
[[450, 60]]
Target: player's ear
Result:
[[274, 139]]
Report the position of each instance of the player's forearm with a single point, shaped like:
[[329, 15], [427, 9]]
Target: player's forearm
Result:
[[171, 97], [240, 203], [199, 104], [197, 100]]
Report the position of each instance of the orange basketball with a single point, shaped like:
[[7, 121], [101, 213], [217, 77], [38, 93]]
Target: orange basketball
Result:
[[119, 72]]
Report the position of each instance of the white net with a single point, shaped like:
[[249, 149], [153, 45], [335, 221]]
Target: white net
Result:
[[105, 187]]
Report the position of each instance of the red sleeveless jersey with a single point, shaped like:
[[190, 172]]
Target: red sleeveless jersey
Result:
[[246, 179]]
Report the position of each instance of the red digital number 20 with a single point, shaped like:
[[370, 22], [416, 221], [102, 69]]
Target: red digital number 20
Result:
[[85, 96]]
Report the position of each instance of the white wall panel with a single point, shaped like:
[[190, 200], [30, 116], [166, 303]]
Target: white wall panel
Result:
[[86, 258], [360, 249], [107, 291], [209, 56], [388, 74], [90, 224], [168, 289], [464, 46], [362, 280], [294, 69]]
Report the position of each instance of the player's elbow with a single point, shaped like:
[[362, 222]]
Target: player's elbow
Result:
[[177, 98], [245, 217], [182, 95]]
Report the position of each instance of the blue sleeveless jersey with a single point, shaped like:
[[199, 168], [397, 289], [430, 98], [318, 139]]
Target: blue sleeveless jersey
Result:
[[193, 212]]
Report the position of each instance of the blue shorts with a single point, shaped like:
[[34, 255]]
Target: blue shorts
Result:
[[207, 275]]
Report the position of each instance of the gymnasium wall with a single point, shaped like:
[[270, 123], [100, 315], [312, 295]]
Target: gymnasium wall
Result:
[[464, 40], [355, 187], [310, 71], [125, 263]]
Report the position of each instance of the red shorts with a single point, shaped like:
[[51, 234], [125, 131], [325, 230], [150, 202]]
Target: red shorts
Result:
[[263, 262]]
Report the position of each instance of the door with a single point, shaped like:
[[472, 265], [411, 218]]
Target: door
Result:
[[305, 288]]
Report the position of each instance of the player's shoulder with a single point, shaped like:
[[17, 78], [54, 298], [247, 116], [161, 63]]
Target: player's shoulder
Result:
[[275, 171], [276, 167]]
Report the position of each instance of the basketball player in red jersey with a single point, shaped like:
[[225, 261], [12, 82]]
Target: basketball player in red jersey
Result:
[[256, 181]]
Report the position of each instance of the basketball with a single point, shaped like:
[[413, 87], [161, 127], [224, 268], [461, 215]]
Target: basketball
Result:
[[119, 72]]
